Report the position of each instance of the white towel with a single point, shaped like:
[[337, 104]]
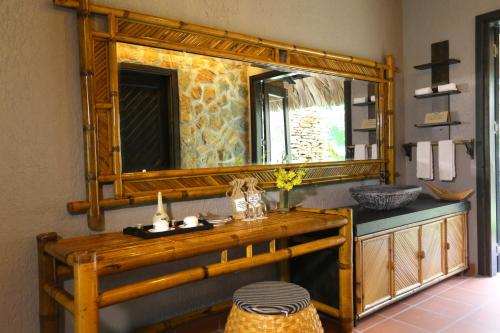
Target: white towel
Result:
[[359, 100], [360, 152], [447, 87], [424, 160], [423, 91], [374, 151], [446, 151]]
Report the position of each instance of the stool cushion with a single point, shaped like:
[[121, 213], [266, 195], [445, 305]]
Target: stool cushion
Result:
[[272, 298]]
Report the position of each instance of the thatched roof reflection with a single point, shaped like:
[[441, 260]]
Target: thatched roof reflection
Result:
[[315, 91]]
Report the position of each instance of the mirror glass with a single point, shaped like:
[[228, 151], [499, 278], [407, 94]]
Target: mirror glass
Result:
[[181, 110]]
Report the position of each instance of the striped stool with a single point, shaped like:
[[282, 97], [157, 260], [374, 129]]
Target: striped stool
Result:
[[272, 307]]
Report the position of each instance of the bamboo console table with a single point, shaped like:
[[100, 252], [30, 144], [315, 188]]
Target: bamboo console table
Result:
[[87, 258]]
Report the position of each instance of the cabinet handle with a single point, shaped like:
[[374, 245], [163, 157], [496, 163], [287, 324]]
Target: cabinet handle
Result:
[[422, 254], [447, 246]]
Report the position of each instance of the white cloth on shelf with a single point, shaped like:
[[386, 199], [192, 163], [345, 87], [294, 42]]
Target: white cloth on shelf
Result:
[[425, 166], [359, 100], [447, 87], [423, 91], [374, 151], [360, 152], [446, 155]]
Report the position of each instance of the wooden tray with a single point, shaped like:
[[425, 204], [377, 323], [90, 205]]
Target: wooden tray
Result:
[[144, 233]]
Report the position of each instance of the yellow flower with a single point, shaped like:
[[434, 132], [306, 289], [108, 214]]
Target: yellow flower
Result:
[[288, 179]]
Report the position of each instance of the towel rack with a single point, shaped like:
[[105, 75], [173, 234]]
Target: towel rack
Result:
[[469, 147]]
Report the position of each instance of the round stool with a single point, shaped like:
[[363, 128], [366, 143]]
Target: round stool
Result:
[[273, 307]]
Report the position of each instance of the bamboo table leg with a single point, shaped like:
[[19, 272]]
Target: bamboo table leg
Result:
[[86, 286], [48, 308], [346, 304]]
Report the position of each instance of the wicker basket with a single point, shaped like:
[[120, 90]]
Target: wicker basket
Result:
[[304, 321]]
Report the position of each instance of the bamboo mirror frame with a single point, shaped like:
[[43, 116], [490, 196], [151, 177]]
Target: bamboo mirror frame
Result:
[[99, 88]]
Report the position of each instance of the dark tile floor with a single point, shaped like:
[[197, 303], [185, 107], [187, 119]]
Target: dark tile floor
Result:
[[457, 305]]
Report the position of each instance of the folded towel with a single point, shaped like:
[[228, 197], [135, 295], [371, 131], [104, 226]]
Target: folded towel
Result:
[[372, 98], [425, 167], [359, 100], [360, 152], [374, 151], [447, 87], [423, 91], [446, 153]]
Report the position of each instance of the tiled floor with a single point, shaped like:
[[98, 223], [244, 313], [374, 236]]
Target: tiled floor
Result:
[[458, 305]]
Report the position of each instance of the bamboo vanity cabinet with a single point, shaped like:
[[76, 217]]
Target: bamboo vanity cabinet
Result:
[[422, 248]]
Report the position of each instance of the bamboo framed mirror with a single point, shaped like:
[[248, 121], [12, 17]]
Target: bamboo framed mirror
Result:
[[233, 105]]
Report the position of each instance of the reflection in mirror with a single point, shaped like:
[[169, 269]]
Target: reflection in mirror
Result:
[[297, 117], [186, 111], [363, 118]]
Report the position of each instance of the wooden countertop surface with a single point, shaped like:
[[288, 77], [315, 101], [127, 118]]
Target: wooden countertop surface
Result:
[[118, 252]]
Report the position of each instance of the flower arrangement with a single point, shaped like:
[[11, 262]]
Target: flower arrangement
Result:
[[287, 179]]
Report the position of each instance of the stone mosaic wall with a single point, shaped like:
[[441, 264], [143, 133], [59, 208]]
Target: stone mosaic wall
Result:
[[213, 104], [306, 132]]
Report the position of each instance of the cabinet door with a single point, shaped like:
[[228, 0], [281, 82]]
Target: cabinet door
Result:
[[456, 242], [431, 254], [376, 274], [406, 263]]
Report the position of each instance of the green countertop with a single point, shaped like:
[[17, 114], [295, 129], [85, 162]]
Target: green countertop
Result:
[[368, 221]]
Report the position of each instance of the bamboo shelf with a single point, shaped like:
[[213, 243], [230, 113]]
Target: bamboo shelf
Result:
[[87, 258]]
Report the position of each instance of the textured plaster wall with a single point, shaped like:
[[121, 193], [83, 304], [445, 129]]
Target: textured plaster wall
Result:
[[41, 149], [426, 22]]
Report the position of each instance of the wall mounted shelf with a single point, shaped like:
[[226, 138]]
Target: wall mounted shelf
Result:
[[364, 129], [449, 123], [449, 61], [469, 147], [363, 104], [437, 94]]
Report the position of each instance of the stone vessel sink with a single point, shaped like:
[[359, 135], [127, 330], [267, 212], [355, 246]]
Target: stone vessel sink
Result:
[[385, 197]]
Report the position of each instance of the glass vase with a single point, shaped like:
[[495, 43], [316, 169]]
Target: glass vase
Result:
[[284, 204]]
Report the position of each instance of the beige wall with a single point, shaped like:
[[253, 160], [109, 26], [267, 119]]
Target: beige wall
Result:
[[41, 158], [430, 21]]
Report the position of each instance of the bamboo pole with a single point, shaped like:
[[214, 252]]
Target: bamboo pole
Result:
[[272, 246], [246, 57], [77, 207], [48, 311], [61, 296], [249, 251], [176, 24], [86, 286], [346, 306], [63, 272], [115, 110], [223, 256], [177, 321], [94, 217], [325, 308], [391, 158], [283, 266], [382, 120], [154, 285]]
